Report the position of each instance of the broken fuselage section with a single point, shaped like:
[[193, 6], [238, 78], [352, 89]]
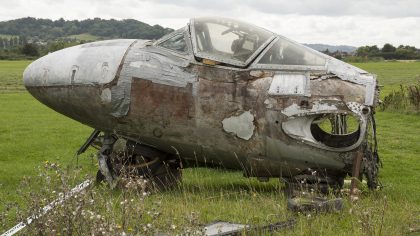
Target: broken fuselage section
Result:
[[219, 92]]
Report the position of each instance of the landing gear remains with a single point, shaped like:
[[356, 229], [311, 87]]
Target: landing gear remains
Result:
[[121, 159]]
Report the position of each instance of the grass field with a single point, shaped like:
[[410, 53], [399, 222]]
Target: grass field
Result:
[[392, 73], [11, 76], [31, 134]]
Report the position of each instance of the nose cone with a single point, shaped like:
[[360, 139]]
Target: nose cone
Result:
[[69, 80], [87, 64]]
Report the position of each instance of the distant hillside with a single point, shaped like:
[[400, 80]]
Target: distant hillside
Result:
[[90, 29], [331, 48], [30, 38]]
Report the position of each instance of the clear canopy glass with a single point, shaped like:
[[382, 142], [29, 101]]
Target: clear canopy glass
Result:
[[227, 40], [176, 43], [286, 52]]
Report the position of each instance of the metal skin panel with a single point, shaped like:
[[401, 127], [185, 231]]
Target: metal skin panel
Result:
[[179, 105], [290, 85], [88, 64]]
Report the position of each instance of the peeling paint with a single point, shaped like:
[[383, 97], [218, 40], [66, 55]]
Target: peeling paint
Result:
[[139, 64], [106, 96], [151, 66], [356, 75], [319, 107], [268, 104], [242, 125]]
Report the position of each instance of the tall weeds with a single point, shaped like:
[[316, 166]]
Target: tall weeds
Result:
[[93, 211], [406, 99]]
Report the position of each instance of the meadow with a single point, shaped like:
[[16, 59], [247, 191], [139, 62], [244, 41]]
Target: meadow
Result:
[[32, 135]]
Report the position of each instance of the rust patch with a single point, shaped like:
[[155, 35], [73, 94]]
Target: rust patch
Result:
[[217, 99], [161, 102]]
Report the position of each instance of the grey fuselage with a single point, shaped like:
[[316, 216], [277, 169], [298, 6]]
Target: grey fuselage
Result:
[[212, 115]]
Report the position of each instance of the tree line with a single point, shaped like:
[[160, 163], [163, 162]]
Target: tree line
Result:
[[46, 29], [389, 52], [29, 38], [374, 53], [18, 48]]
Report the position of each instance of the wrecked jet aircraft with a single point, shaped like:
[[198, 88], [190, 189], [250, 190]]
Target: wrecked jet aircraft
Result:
[[216, 93]]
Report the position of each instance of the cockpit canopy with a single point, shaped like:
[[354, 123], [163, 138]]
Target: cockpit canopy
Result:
[[227, 40], [237, 43], [287, 52]]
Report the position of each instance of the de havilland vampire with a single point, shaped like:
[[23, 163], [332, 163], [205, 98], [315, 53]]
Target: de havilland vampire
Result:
[[216, 93]]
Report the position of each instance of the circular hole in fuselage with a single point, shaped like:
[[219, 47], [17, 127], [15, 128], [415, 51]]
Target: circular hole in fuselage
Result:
[[336, 130]]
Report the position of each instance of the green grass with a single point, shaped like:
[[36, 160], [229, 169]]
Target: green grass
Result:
[[11, 76], [31, 133], [392, 73]]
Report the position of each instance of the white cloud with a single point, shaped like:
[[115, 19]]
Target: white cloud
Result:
[[387, 8], [358, 22]]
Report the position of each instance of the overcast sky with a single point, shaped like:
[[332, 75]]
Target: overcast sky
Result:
[[336, 22]]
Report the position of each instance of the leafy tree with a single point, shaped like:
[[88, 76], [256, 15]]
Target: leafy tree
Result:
[[368, 51], [388, 51], [388, 48], [30, 50], [407, 52]]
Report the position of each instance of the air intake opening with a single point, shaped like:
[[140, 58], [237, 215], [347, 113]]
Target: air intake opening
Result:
[[336, 130]]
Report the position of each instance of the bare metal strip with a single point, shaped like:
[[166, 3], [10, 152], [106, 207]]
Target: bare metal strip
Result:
[[60, 200], [62, 197]]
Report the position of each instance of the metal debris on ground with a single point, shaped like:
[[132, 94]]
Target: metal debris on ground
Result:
[[226, 228], [62, 197], [317, 204]]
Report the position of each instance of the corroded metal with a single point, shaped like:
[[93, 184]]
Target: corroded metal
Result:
[[258, 118]]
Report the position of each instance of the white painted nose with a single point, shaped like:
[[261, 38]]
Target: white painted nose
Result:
[[88, 64]]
